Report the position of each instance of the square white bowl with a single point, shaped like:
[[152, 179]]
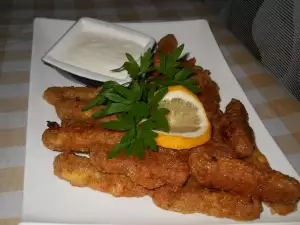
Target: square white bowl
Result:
[[87, 29]]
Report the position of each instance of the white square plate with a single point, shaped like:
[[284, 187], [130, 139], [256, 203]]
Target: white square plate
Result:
[[86, 31], [47, 199]]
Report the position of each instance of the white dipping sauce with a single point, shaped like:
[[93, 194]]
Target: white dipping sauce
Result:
[[100, 53]]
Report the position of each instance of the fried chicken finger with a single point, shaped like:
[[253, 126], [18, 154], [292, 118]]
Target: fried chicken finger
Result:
[[260, 161], [54, 94], [238, 135], [213, 170], [72, 109], [78, 138], [79, 172], [195, 199], [154, 170]]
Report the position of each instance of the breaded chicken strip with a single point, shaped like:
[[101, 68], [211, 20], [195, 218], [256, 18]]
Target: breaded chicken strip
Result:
[[79, 172], [154, 170], [78, 138], [218, 122], [226, 172], [193, 198], [57, 137], [260, 161], [238, 134], [232, 129], [72, 109], [167, 44], [209, 91], [54, 94]]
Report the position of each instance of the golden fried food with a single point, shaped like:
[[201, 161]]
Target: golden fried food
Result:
[[72, 109], [226, 177], [238, 134], [154, 170], [167, 44], [225, 172], [232, 129], [54, 94], [208, 88], [218, 122], [78, 138], [260, 161], [79, 172], [193, 198], [282, 209]]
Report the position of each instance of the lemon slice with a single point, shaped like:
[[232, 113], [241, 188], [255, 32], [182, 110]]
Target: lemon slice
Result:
[[188, 122]]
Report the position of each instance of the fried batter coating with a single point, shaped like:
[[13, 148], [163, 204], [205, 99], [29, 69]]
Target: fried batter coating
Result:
[[79, 172], [193, 198], [225, 172], [282, 209], [239, 134], [218, 122], [54, 94], [167, 44], [78, 138], [208, 88], [72, 109], [232, 129], [154, 170], [260, 161], [182, 155]]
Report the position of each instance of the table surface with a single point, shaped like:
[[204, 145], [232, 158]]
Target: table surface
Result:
[[278, 110]]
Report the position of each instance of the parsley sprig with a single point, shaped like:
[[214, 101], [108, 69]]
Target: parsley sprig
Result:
[[137, 105]]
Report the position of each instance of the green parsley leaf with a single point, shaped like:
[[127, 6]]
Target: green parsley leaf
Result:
[[170, 72], [140, 110], [117, 149], [174, 56], [190, 81], [137, 91], [98, 100], [111, 109], [147, 124], [159, 116], [133, 69], [183, 74], [150, 143], [125, 92], [119, 125], [119, 69], [192, 88], [151, 134], [109, 84], [128, 136], [158, 97], [136, 147], [146, 61], [150, 95], [114, 97], [162, 62]]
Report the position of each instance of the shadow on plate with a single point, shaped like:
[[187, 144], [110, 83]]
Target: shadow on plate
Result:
[[76, 78]]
